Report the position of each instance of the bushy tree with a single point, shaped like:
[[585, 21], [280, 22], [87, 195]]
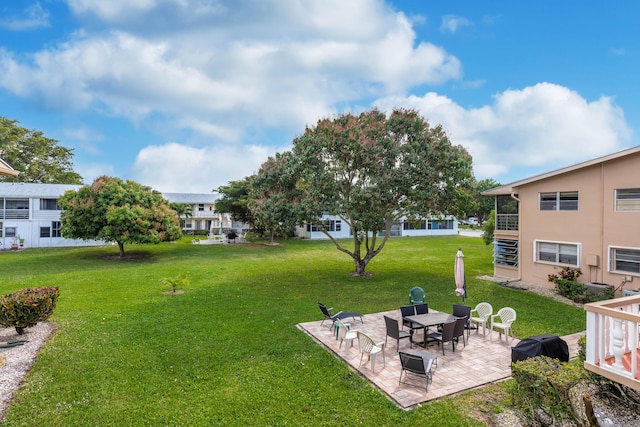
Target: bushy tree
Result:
[[118, 211], [274, 197], [372, 170], [235, 200], [38, 158]]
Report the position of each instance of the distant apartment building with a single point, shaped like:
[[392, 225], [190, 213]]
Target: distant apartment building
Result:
[[30, 215], [436, 226]]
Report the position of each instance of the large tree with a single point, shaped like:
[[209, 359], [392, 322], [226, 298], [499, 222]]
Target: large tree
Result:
[[235, 200], [38, 158], [372, 170], [118, 211]]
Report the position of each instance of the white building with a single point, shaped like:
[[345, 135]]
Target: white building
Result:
[[30, 215], [437, 226]]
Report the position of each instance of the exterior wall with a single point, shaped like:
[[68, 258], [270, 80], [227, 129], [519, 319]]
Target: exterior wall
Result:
[[594, 227], [397, 230]]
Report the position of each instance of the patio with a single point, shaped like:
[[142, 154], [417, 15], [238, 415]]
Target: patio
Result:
[[481, 362]]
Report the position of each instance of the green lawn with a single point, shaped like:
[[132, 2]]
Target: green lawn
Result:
[[227, 352]]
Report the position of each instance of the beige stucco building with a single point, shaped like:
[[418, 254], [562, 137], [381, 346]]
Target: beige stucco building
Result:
[[584, 216]]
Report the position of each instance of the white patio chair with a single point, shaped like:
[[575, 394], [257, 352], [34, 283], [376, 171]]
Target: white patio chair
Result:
[[344, 334], [502, 321], [482, 313], [367, 345]]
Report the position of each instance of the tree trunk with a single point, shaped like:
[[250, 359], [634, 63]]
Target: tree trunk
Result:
[[361, 265], [272, 235], [121, 247]]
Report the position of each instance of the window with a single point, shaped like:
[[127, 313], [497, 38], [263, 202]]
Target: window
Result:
[[626, 260], [329, 225], [45, 232], [414, 225], [505, 252], [559, 201], [628, 199], [557, 253], [55, 229], [200, 207], [49, 205], [0, 229], [10, 232], [445, 224]]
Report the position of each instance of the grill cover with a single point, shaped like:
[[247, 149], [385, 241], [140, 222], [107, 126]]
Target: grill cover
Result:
[[541, 345]]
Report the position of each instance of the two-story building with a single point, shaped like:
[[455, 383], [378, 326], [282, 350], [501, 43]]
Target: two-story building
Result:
[[30, 215], [583, 216]]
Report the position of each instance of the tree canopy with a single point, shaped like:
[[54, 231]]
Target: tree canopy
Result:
[[274, 196], [235, 200], [118, 211], [373, 171], [38, 158]]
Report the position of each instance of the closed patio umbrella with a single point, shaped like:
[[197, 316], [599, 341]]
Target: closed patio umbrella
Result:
[[461, 284]]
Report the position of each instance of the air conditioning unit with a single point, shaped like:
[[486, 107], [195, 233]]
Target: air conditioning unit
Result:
[[598, 288], [630, 292]]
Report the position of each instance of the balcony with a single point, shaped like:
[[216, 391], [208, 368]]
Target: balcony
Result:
[[507, 222], [612, 340], [22, 213]]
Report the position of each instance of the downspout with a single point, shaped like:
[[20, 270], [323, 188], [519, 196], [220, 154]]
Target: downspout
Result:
[[519, 278]]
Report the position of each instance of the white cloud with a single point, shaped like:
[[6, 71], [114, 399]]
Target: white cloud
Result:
[[179, 168], [545, 126], [33, 16], [230, 66], [452, 23]]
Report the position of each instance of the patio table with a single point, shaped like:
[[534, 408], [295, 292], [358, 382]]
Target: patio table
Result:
[[434, 318]]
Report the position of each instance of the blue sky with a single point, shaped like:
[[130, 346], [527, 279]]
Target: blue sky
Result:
[[187, 95]]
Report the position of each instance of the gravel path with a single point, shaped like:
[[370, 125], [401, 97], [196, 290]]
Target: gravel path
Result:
[[18, 360]]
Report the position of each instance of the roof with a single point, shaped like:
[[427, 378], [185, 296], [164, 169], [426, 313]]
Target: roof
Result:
[[508, 188], [6, 169], [24, 189], [191, 198]]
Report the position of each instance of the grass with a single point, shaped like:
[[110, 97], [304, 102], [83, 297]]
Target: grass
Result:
[[227, 352]]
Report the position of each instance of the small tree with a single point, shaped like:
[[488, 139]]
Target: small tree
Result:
[[118, 211], [488, 228], [182, 210]]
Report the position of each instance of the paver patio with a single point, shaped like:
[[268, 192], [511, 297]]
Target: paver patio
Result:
[[481, 362]]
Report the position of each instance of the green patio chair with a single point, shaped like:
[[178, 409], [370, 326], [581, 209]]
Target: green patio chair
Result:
[[416, 295]]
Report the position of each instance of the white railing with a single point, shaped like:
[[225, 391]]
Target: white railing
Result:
[[612, 334]]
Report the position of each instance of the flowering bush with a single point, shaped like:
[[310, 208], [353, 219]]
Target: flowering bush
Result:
[[27, 307]]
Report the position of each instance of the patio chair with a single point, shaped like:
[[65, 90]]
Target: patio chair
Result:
[[409, 310], [446, 335], [502, 321], [417, 364], [339, 315], [370, 347], [422, 308], [344, 334], [393, 331], [416, 295], [483, 312], [460, 310], [458, 330]]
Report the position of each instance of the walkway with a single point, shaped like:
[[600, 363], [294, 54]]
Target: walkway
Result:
[[481, 362]]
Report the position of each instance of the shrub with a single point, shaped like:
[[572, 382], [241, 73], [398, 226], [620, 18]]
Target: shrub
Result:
[[543, 382], [27, 307]]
